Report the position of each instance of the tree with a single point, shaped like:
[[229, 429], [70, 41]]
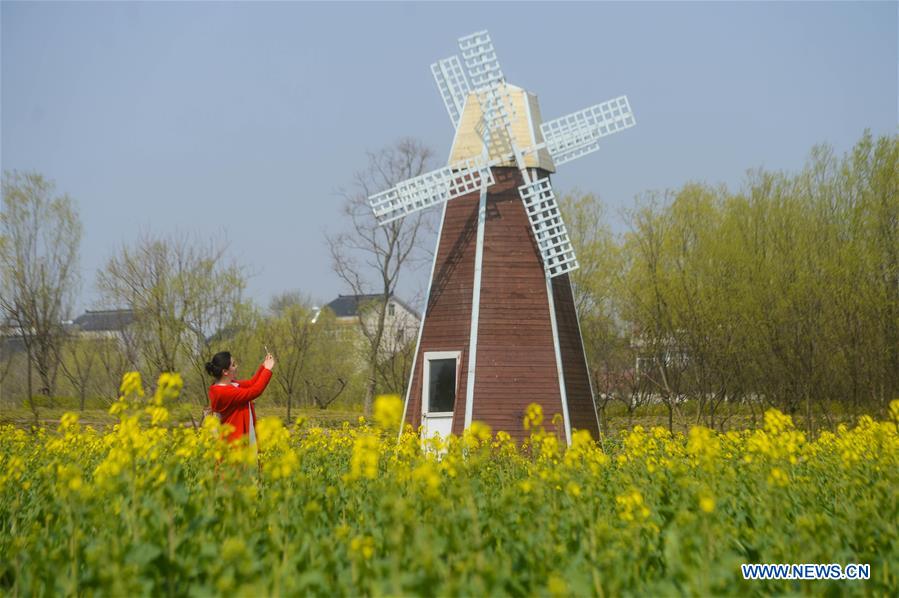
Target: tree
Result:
[[331, 366], [181, 293], [395, 364], [116, 355], [595, 285], [288, 334], [370, 258], [79, 360], [41, 234], [648, 293]]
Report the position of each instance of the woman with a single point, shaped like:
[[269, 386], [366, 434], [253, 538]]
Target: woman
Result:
[[232, 400]]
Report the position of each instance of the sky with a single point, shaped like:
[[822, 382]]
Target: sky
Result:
[[242, 121]]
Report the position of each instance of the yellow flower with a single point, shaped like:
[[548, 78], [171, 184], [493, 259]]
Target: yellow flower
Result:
[[533, 416], [703, 443], [557, 420], [234, 550], [556, 585], [777, 422], [707, 503], [481, 431], [131, 384], [363, 546], [284, 465], [777, 477], [364, 459], [118, 407], [631, 507], [158, 415], [894, 410], [427, 475], [388, 412], [168, 387], [271, 433], [581, 439]]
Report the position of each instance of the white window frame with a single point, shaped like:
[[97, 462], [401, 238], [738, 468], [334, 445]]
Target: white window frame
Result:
[[426, 379]]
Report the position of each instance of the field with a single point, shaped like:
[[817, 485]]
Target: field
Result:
[[146, 508]]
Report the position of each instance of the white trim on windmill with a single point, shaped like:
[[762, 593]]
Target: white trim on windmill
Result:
[[563, 393], [475, 309], [421, 326]]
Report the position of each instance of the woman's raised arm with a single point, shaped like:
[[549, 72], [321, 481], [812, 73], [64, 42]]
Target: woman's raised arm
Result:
[[225, 397], [251, 381]]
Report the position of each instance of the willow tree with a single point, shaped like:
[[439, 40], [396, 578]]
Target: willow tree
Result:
[[182, 292], [41, 237]]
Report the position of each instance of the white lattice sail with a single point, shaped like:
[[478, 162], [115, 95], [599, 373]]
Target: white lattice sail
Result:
[[430, 188], [453, 86], [549, 229], [577, 134], [480, 59], [488, 82]]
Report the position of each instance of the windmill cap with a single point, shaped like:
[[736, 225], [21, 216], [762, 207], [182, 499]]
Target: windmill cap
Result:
[[523, 113]]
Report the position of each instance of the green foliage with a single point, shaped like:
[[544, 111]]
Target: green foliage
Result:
[[783, 294]]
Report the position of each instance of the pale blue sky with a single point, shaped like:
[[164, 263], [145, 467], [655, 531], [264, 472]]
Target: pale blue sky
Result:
[[244, 118]]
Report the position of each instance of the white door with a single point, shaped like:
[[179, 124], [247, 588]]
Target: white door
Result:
[[438, 392]]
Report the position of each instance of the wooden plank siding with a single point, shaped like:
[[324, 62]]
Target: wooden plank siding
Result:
[[516, 361], [581, 408], [447, 320]]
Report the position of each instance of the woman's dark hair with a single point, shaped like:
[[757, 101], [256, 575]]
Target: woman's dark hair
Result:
[[220, 362]]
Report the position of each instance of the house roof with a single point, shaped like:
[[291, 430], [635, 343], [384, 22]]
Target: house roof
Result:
[[104, 320], [346, 306]]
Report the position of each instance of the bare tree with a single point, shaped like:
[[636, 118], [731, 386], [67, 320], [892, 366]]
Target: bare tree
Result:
[[370, 258], [8, 356], [288, 334], [78, 360], [395, 367], [116, 354], [41, 235]]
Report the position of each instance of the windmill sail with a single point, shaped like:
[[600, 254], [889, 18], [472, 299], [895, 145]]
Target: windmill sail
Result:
[[549, 229], [577, 134], [453, 86], [430, 188], [480, 59]]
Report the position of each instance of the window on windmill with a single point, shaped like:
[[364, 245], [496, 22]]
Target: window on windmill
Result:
[[442, 385], [391, 310]]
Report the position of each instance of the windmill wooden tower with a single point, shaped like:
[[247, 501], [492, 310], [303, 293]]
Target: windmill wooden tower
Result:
[[500, 329]]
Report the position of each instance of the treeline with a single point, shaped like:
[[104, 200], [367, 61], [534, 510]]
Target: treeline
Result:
[[784, 294], [714, 303], [173, 302]]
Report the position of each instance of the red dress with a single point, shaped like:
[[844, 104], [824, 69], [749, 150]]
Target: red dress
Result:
[[234, 404]]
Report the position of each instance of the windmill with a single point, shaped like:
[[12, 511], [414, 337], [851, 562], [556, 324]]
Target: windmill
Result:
[[500, 329]]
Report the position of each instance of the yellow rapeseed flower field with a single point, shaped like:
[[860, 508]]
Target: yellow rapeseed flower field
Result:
[[145, 508]]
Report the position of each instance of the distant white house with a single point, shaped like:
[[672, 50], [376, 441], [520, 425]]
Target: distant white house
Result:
[[401, 321]]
